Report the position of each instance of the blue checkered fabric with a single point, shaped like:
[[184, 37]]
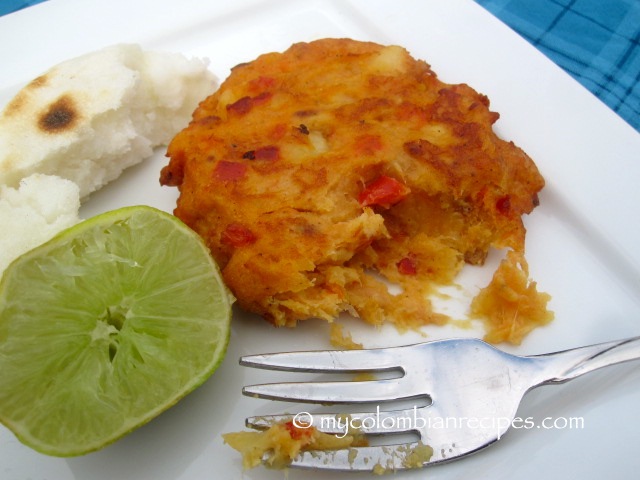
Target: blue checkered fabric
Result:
[[8, 6], [595, 41]]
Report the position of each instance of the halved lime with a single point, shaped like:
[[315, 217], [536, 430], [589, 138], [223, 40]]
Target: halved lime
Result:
[[105, 326]]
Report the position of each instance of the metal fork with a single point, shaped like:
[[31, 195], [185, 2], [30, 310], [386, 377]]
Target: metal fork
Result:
[[473, 391]]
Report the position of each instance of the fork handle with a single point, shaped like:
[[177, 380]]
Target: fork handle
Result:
[[569, 364]]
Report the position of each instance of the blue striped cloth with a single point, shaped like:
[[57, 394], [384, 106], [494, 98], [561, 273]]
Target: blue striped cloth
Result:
[[8, 6], [595, 41]]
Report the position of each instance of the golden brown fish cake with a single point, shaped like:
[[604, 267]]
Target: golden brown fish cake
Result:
[[310, 169]]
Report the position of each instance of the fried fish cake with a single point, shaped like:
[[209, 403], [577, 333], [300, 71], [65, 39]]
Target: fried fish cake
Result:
[[318, 175]]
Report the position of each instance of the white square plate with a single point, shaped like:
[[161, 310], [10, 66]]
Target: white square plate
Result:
[[582, 244]]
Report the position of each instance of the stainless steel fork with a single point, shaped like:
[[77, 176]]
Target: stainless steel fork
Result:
[[472, 390]]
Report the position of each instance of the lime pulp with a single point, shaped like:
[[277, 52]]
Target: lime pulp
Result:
[[105, 326]]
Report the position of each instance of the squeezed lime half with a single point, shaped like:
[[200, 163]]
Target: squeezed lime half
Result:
[[105, 326]]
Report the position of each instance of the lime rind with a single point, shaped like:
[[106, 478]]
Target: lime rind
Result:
[[105, 326]]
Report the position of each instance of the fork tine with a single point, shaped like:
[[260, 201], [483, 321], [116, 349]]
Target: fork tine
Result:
[[381, 459], [336, 392], [445, 444], [327, 361], [263, 422]]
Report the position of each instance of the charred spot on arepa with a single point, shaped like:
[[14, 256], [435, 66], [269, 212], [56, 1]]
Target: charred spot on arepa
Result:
[[39, 82], [21, 100], [61, 116], [16, 104]]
